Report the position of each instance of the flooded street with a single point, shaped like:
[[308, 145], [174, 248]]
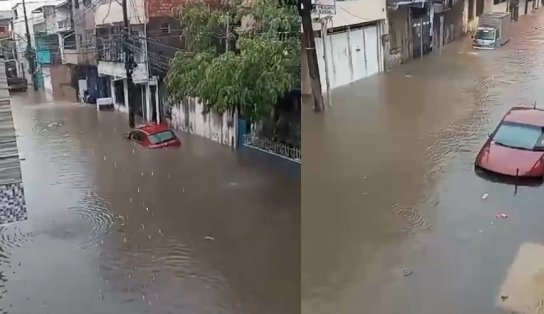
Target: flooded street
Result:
[[115, 228], [393, 218]]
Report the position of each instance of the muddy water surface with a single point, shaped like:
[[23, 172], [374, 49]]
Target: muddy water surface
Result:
[[393, 219], [115, 228]]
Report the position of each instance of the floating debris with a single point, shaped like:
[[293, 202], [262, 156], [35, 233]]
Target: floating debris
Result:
[[209, 238], [485, 196], [406, 272], [147, 209], [55, 124], [143, 227], [502, 216], [104, 158], [408, 76], [22, 158], [504, 298], [125, 239]]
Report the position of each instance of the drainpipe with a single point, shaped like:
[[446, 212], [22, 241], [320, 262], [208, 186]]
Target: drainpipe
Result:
[[323, 22]]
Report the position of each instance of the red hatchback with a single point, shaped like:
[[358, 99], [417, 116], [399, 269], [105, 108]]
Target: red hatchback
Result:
[[154, 136], [516, 147]]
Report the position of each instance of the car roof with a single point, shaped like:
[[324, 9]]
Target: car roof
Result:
[[153, 128], [532, 116]]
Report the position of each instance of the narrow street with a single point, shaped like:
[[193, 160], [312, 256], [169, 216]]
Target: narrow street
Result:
[[393, 218], [115, 228]]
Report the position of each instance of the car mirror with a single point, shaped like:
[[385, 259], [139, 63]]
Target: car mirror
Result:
[[490, 134]]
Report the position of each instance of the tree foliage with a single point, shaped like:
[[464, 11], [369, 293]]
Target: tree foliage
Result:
[[261, 66]]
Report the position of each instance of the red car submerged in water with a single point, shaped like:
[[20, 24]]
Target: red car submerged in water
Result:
[[154, 135], [516, 147]]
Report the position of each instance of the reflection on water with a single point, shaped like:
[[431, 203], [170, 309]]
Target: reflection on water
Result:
[[116, 228], [389, 184]]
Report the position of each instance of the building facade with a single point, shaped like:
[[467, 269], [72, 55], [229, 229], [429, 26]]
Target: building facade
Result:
[[352, 47]]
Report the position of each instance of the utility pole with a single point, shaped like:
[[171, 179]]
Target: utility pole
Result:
[[29, 50], [308, 42], [129, 65], [323, 40]]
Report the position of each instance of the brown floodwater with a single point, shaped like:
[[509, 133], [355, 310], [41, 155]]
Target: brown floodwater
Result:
[[115, 228], [393, 219]]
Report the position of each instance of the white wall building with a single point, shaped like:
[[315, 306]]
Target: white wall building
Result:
[[108, 19], [353, 46], [19, 30]]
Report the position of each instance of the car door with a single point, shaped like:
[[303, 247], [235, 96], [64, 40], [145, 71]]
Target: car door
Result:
[[137, 136]]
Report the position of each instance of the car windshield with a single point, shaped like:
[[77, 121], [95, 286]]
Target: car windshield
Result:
[[161, 137], [485, 34], [521, 136]]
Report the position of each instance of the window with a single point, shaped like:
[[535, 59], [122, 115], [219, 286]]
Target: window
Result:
[[520, 136], [165, 28], [2, 29], [137, 136], [485, 34], [15, 14], [161, 137]]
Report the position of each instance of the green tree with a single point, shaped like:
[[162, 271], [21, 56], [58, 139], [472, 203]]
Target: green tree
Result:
[[263, 65]]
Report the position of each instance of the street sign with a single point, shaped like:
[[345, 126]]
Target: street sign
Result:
[[323, 7]]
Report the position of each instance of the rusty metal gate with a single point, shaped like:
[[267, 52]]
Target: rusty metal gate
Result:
[[421, 34]]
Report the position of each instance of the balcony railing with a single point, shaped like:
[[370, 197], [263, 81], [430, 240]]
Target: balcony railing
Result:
[[111, 50], [397, 3], [40, 27], [64, 25]]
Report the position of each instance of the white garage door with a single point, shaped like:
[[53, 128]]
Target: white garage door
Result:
[[364, 62], [365, 52], [47, 83], [337, 57]]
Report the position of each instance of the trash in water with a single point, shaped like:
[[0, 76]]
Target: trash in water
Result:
[[406, 272], [485, 196], [502, 216], [504, 298], [408, 75], [209, 238], [55, 124], [22, 158]]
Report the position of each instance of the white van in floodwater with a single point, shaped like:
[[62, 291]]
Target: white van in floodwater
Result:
[[493, 30]]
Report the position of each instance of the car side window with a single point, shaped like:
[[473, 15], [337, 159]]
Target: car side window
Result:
[[137, 136]]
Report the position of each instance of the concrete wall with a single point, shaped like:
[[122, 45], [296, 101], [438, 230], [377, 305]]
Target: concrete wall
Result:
[[502, 7], [113, 13], [63, 81], [117, 70], [188, 117], [470, 25], [353, 12]]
